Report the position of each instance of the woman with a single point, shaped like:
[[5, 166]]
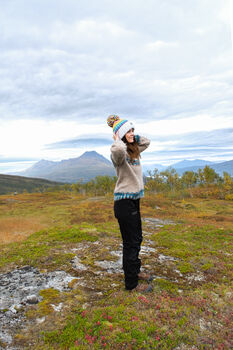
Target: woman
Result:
[[125, 155]]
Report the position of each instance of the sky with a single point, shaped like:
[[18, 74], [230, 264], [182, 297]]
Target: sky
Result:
[[65, 65]]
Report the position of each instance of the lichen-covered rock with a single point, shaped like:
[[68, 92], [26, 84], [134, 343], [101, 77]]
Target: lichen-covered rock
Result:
[[21, 288]]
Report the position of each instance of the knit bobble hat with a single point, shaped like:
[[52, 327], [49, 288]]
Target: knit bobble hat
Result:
[[121, 125]]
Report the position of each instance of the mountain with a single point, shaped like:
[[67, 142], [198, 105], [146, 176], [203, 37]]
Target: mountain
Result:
[[225, 166], [83, 168], [182, 164], [91, 164], [218, 167], [151, 167], [39, 167], [193, 165], [10, 183], [190, 163]]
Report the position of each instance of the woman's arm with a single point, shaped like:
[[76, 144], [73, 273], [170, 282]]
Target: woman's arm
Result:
[[143, 142], [118, 151]]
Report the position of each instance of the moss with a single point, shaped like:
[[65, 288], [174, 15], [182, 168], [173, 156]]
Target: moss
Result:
[[44, 308], [36, 249], [207, 266], [4, 310], [90, 261], [63, 234], [50, 295], [3, 345], [73, 284], [20, 339], [163, 284], [185, 267]]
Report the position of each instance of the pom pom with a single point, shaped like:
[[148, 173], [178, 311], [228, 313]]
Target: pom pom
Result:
[[112, 119]]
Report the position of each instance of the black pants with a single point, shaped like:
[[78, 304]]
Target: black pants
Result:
[[127, 212]]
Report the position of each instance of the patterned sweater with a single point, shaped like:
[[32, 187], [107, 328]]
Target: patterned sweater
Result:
[[130, 181]]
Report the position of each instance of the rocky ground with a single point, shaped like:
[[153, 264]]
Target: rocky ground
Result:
[[21, 288]]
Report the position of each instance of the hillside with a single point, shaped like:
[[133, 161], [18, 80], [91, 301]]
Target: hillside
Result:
[[83, 168], [62, 284], [11, 183]]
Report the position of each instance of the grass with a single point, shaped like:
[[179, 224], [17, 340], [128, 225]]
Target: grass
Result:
[[190, 306], [160, 321], [17, 228], [45, 248]]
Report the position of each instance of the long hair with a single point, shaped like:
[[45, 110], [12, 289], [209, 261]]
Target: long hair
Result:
[[132, 149]]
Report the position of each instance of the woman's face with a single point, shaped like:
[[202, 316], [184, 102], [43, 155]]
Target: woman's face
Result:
[[130, 136]]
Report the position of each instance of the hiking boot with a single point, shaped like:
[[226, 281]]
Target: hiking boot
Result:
[[145, 277], [143, 288]]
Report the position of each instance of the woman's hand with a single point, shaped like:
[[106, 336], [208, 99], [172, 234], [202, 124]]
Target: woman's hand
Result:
[[116, 136]]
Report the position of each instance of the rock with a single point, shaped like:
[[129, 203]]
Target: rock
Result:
[[21, 288], [195, 277], [77, 265], [112, 266], [32, 299], [40, 320], [145, 250], [85, 306], [13, 309], [57, 307], [162, 258], [156, 223]]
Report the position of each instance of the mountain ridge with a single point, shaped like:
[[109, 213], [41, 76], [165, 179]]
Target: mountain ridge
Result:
[[83, 168], [91, 164], [219, 167]]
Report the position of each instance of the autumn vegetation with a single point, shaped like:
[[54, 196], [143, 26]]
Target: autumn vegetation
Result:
[[205, 183], [189, 252]]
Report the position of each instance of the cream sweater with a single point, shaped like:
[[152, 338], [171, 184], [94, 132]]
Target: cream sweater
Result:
[[129, 173]]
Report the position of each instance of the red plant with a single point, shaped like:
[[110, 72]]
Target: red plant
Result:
[[134, 318], [144, 299], [83, 314]]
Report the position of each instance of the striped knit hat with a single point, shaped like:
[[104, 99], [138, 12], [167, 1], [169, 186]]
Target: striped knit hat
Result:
[[121, 125]]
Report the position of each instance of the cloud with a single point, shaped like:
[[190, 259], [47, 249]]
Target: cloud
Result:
[[16, 159], [159, 44], [213, 138], [163, 147], [83, 141], [77, 60], [205, 145]]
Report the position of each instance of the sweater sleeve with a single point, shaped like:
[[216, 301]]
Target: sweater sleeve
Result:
[[118, 152], [143, 142]]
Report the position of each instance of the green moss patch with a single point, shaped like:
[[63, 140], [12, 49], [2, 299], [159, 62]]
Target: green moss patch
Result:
[[37, 249], [203, 248]]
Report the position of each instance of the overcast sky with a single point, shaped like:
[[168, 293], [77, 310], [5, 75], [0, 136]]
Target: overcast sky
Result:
[[65, 65]]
